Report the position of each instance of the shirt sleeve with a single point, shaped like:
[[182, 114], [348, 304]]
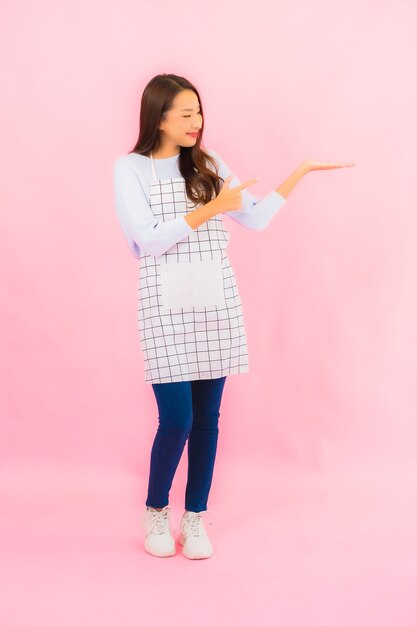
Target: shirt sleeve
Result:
[[256, 213], [142, 230]]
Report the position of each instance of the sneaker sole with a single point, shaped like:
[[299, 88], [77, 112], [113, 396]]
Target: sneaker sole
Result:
[[160, 554]]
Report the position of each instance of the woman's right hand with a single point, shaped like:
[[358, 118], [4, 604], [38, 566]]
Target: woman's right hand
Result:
[[231, 199]]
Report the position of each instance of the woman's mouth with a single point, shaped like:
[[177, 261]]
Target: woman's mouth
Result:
[[193, 134]]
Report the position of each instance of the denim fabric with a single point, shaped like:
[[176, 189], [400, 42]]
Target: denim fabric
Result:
[[187, 409]]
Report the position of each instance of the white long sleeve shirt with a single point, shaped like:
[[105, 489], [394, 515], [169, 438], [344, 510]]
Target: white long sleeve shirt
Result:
[[144, 232]]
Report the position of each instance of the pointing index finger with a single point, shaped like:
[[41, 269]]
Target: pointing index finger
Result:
[[247, 183]]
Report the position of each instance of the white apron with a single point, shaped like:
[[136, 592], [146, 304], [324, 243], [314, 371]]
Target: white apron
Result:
[[190, 315]]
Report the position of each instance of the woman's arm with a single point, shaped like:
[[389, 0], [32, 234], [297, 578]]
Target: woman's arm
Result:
[[256, 213], [143, 231], [285, 189]]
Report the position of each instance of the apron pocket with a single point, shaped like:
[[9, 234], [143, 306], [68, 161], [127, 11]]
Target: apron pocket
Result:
[[192, 284]]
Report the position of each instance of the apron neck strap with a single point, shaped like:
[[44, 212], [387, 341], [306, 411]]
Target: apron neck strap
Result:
[[154, 176]]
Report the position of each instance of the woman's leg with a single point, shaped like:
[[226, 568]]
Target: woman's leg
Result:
[[175, 409], [202, 441]]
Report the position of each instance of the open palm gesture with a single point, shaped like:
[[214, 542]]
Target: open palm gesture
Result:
[[311, 165]]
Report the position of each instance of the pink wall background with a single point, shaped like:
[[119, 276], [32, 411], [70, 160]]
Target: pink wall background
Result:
[[313, 499]]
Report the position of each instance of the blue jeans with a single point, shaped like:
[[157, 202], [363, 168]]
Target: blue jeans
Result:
[[187, 409]]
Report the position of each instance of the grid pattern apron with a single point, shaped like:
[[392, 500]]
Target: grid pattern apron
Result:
[[190, 317]]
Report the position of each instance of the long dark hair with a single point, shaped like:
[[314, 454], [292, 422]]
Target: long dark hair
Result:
[[156, 101]]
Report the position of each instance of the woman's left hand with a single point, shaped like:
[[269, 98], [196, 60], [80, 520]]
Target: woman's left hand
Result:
[[309, 165]]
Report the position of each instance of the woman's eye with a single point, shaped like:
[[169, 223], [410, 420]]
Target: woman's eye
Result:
[[199, 113]]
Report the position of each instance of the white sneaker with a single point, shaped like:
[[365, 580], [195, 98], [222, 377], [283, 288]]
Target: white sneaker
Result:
[[159, 538], [193, 536]]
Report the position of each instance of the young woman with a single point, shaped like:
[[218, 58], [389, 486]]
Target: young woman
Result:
[[170, 197]]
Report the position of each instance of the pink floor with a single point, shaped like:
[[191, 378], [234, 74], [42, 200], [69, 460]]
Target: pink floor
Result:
[[337, 551]]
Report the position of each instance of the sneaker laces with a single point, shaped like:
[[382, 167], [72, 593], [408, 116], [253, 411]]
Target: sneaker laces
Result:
[[160, 522], [191, 523]]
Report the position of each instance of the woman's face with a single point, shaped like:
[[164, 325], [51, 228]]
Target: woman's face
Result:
[[184, 118]]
